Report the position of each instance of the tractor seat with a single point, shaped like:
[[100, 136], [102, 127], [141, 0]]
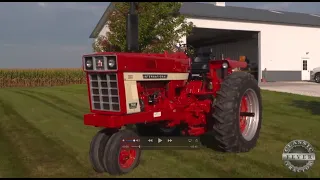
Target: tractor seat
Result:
[[200, 64]]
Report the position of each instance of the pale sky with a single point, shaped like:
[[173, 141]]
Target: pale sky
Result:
[[56, 34]]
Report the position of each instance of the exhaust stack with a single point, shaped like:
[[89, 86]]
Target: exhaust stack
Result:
[[132, 29]]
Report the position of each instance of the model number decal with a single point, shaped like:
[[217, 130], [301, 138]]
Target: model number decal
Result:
[[155, 76], [156, 114], [133, 105]]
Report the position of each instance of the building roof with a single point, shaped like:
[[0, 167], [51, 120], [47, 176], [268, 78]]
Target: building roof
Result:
[[248, 14], [207, 10], [103, 20]]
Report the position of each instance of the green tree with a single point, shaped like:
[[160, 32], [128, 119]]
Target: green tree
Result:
[[101, 44], [160, 27]]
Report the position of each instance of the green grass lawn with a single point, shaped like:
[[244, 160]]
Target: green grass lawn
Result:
[[42, 135]]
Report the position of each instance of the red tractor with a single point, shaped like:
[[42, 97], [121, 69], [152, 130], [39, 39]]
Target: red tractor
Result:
[[166, 94]]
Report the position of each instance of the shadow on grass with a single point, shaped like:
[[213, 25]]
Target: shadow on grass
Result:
[[313, 106], [207, 140]]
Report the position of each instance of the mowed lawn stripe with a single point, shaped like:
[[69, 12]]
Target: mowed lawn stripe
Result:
[[64, 129], [72, 101], [57, 112], [37, 152], [55, 105], [10, 157], [53, 119]]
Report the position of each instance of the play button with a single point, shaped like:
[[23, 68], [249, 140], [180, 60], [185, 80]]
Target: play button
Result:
[[159, 140]]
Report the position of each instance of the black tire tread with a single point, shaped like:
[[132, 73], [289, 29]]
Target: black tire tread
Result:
[[226, 132], [315, 77], [97, 149], [111, 153]]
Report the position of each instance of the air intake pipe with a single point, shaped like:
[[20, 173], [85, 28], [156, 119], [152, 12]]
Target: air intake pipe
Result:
[[132, 33]]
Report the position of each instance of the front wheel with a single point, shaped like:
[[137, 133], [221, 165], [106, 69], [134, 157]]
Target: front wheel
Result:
[[237, 113], [96, 150], [118, 160]]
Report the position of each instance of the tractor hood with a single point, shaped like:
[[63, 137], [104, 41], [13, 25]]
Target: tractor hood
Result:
[[137, 62]]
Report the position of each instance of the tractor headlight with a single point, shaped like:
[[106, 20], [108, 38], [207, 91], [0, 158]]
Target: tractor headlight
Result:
[[89, 64], [112, 64], [224, 65]]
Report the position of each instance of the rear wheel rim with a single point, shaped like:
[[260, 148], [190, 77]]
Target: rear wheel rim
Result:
[[249, 125], [127, 158]]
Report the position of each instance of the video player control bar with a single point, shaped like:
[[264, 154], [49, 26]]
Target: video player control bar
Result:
[[159, 143]]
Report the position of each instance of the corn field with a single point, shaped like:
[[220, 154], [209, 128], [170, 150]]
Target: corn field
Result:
[[40, 77]]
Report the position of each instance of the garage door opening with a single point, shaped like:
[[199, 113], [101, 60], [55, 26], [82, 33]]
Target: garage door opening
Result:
[[233, 44]]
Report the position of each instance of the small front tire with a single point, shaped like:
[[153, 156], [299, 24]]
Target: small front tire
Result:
[[118, 160], [96, 150]]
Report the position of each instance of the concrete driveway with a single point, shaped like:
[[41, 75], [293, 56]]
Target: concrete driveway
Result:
[[300, 87]]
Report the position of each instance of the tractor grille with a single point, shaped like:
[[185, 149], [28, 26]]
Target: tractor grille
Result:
[[104, 92]]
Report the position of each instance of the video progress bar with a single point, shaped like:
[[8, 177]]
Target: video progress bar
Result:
[[156, 147]]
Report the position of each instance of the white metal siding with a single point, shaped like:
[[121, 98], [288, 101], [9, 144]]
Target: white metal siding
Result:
[[104, 31], [282, 46]]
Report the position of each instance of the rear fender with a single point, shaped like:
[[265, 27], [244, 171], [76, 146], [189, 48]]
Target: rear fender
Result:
[[217, 64], [217, 73]]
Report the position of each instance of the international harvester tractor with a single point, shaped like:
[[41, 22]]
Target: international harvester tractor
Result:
[[165, 95]]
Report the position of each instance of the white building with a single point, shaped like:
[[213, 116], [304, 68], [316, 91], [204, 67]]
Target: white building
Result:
[[282, 46]]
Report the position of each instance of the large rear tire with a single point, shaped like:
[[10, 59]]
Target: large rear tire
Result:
[[237, 113], [118, 160]]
